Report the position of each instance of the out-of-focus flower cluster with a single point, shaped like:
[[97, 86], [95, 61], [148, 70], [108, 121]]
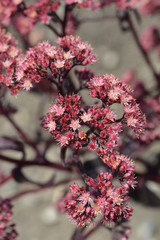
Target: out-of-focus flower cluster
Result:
[[121, 4], [7, 8], [26, 16], [29, 14], [24, 70], [42, 10], [150, 7], [150, 39], [23, 24], [72, 24], [7, 228], [150, 106]]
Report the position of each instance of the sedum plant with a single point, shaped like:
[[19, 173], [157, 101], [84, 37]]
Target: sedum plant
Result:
[[71, 122]]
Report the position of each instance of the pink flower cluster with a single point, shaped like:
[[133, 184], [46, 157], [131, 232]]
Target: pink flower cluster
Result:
[[7, 231], [111, 90], [124, 165], [79, 207], [66, 121], [151, 108], [67, 117], [9, 56], [150, 38], [7, 8], [32, 67], [42, 10], [108, 200], [77, 125], [23, 24], [150, 7]]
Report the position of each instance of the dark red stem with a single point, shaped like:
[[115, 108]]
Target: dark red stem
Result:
[[54, 30], [6, 179], [23, 135], [28, 163], [34, 190], [99, 224]]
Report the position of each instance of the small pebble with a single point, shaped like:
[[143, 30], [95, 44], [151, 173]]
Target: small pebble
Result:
[[49, 216]]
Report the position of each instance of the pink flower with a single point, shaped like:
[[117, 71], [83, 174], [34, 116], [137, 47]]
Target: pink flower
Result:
[[59, 64], [85, 198], [57, 110], [51, 126], [75, 124], [63, 140], [27, 85], [86, 117]]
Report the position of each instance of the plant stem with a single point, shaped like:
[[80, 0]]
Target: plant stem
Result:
[[34, 190], [64, 22], [28, 163], [54, 30], [99, 224], [23, 135], [6, 179], [79, 165]]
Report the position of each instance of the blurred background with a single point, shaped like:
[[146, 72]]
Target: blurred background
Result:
[[35, 214]]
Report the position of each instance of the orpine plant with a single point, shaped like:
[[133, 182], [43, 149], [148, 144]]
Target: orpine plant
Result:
[[71, 121]]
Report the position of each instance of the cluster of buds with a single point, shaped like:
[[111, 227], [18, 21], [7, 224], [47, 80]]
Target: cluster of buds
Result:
[[108, 200], [79, 207], [7, 231]]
